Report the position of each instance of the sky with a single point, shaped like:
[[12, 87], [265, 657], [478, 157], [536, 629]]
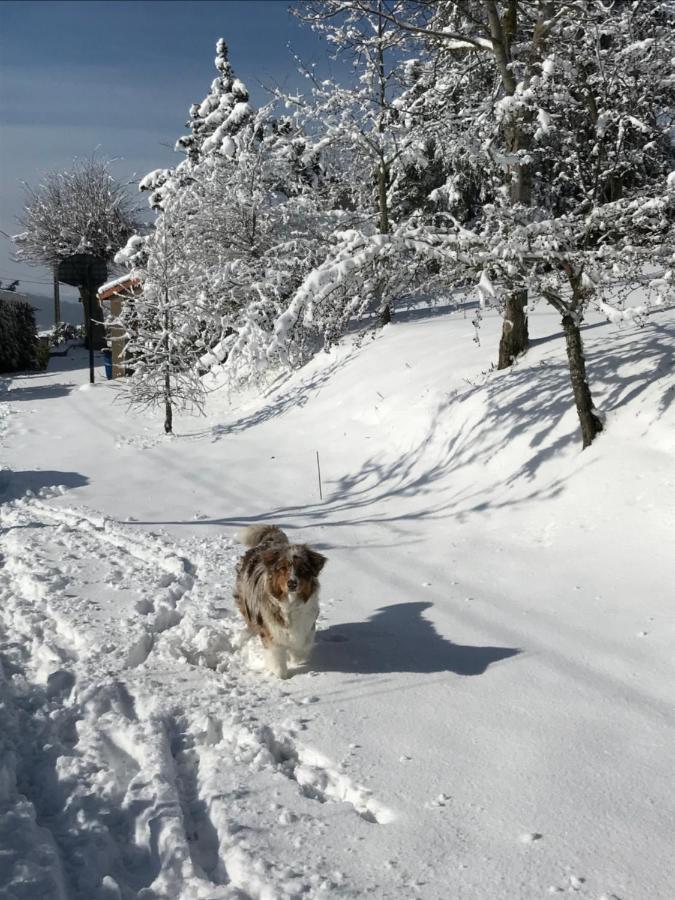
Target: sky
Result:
[[116, 78]]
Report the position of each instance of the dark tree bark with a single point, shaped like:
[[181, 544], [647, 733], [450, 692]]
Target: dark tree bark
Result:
[[515, 335], [382, 169], [385, 314], [383, 209], [168, 411], [591, 425]]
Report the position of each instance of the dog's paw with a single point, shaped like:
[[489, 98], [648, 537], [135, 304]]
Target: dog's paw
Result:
[[276, 662], [299, 660], [279, 671]]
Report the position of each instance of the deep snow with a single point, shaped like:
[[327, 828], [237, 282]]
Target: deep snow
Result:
[[488, 712]]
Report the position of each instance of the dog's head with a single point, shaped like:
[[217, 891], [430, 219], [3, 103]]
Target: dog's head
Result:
[[293, 570]]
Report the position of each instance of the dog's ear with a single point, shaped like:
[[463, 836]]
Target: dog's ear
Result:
[[316, 561]]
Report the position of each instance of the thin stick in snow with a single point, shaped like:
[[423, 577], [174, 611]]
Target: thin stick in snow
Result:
[[318, 469]]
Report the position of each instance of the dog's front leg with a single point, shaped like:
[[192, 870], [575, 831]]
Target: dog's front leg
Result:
[[300, 655], [276, 660]]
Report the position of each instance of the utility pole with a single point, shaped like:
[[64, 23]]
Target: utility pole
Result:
[[90, 330], [57, 296]]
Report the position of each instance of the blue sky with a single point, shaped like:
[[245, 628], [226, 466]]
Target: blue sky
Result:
[[117, 77]]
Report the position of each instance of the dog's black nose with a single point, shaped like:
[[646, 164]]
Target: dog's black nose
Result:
[[292, 584]]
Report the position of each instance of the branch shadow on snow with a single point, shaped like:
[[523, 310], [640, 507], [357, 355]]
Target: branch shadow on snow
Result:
[[488, 445], [298, 395], [519, 430], [294, 397], [461, 308], [399, 638]]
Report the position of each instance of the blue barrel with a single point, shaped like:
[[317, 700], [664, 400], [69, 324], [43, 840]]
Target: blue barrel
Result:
[[107, 362]]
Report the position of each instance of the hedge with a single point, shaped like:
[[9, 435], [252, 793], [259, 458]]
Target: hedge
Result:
[[18, 336]]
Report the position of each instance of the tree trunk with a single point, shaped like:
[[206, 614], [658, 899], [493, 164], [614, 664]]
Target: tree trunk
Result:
[[168, 411], [383, 168], [515, 335], [382, 179], [591, 425]]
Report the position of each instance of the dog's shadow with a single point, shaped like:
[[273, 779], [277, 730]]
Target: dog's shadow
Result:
[[398, 638]]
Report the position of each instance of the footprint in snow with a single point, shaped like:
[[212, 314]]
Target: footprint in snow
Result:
[[575, 884], [531, 837]]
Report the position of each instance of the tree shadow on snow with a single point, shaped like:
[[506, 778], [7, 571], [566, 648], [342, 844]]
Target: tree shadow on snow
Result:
[[35, 392], [399, 638], [14, 484], [510, 425], [292, 398]]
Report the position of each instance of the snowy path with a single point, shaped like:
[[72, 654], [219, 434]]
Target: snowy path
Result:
[[489, 710], [126, 770]]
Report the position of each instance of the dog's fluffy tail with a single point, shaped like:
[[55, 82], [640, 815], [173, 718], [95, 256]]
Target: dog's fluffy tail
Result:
[[256, 534]]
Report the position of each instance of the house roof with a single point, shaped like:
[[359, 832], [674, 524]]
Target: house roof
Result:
[[118, 286]]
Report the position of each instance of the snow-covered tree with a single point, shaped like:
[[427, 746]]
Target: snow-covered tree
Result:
[[571, 151], [83, 210], [214, 124], [552, 122], [162, 326], [245, 194], [264, 231], [376, 247], [368, 122]]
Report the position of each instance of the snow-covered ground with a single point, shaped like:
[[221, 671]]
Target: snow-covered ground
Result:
[[489, 710]]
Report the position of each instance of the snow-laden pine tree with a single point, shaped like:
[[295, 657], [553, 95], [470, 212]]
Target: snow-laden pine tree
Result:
[[261, 229], [163, 336], [247, 195], [213, 124]]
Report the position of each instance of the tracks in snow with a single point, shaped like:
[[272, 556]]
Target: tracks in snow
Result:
[[132, 736]]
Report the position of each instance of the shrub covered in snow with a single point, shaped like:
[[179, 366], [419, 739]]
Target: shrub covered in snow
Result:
[[64, 331]]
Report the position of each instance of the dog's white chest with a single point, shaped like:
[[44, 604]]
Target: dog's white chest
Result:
[[301, 617]]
